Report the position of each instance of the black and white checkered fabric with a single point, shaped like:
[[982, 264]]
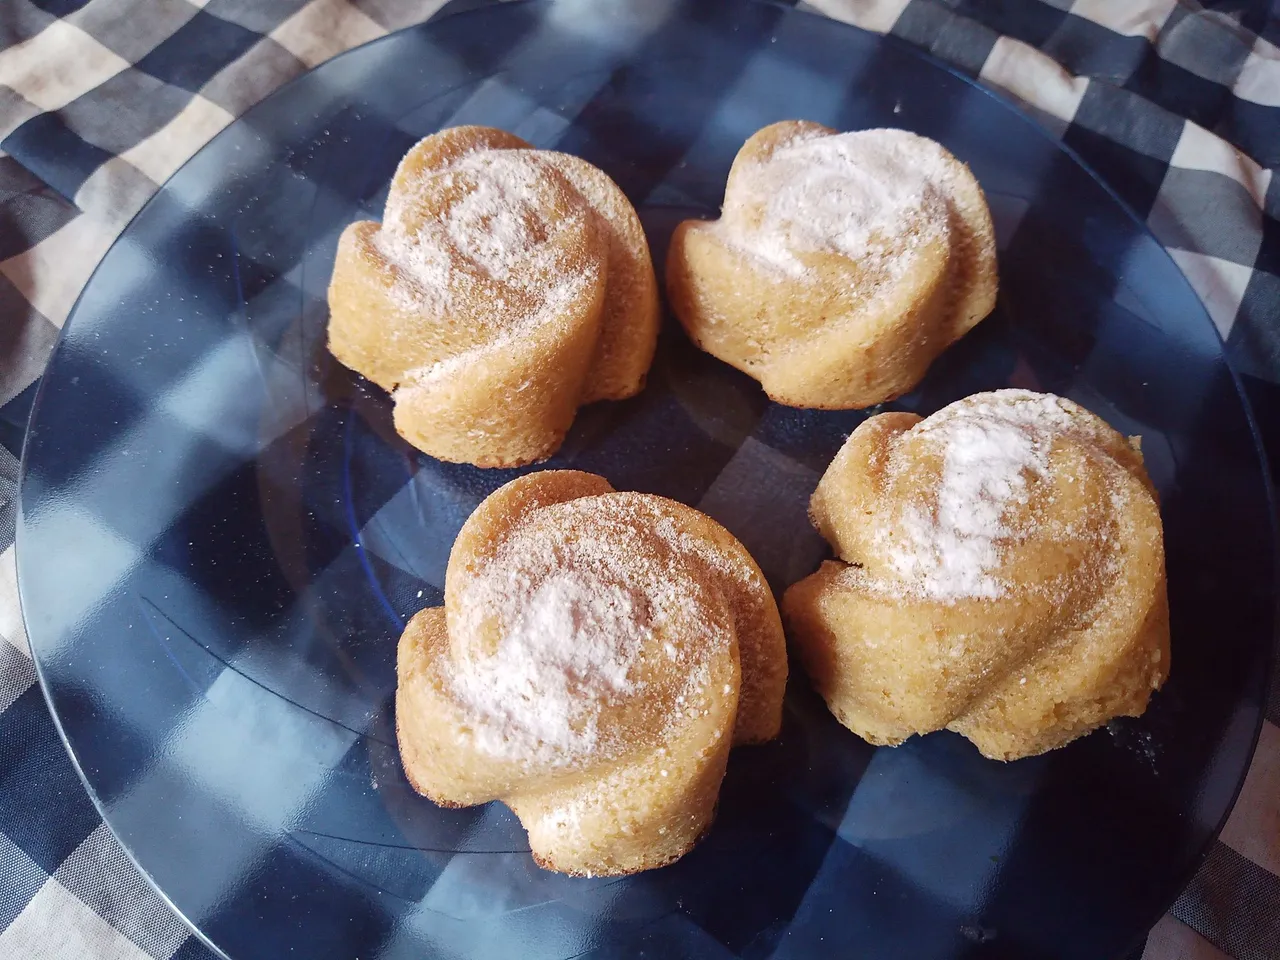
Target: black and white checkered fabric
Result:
[[1175, 103]]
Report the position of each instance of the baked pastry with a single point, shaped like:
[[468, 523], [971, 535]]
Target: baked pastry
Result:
[[1001, 574], [504, 288], [596, 656], [841, 266]]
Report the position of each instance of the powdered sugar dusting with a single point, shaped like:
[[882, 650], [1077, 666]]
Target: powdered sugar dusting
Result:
[[495, 225], [422, 280], [498, 224], [553, 627], [572, 644], [728, 563], [491, 245], [854, 194], [989, 451]]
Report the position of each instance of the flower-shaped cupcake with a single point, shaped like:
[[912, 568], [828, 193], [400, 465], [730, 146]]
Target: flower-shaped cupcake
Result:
[[842, 265], [596, 656], [1001, 574], [505, 287]]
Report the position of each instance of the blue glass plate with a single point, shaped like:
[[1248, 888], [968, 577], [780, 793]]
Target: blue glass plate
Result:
[[222, 535]]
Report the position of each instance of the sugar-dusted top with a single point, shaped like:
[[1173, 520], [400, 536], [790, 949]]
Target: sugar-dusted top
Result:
[[989, 449], [854, 194], [583, 607], [967, 485], [492, 214]]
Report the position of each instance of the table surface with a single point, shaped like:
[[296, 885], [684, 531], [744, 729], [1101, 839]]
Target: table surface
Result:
[[1175, 104]]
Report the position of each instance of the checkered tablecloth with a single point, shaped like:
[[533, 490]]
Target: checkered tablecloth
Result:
[[1175, 103]]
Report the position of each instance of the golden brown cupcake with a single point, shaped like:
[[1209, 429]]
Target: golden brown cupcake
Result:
[[596, 656], [504, 288], [841, 266], [1000, 574]]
